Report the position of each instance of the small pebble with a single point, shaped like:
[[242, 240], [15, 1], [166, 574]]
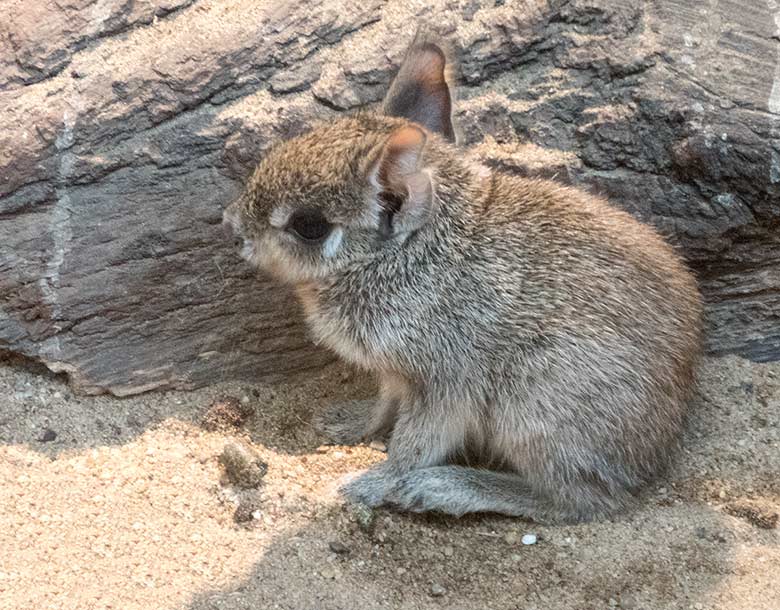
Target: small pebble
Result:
[[227, 412], [378, 446], [437, 590], [338, 548], [529, 539], [628, 602], [448, 551], [243, 513], [511, 538], [330, 573], [243, 466], [400, 571], [48, 436], [248, 508], [364, 516]]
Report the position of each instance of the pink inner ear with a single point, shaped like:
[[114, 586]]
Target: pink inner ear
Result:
[[401, 158], [406, 189]]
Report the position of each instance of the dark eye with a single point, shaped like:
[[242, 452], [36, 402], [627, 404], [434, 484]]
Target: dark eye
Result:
[[308, 225]]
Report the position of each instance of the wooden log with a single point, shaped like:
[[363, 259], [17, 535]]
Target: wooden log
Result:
[[125, 128]]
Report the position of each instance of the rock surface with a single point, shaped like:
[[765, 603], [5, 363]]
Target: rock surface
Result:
[[125, 128]]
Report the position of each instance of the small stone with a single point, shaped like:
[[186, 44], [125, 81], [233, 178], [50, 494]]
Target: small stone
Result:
[[248, 510], [330, 573], [448, 551], [338, 547], [378, 446], [515, 557], [628, 602], [612, 602], [243, 466], [245, 400], [226, 412], [57, 395], [511, 538], [698, 606], [400, 571], [364, 516], [437, 590], [529, 539], [48, 436]]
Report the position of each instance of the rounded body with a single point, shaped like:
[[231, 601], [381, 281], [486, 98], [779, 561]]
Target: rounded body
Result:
[[535, 346], [551, 334]]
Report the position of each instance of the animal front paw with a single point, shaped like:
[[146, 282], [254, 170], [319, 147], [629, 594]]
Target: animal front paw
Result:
[[369, 488]]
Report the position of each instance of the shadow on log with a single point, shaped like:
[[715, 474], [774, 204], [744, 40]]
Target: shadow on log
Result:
[[126, 128]]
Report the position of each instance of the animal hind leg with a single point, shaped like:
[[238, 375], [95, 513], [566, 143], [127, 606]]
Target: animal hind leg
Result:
[[457, 490]]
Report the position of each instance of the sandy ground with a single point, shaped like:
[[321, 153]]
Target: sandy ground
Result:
[[123, 503]]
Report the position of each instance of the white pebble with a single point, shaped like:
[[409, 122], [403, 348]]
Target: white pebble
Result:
[[528, 539], [437, 590], [378, 446]]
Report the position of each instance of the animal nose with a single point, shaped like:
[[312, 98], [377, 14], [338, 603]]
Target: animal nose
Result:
[[230, 228]]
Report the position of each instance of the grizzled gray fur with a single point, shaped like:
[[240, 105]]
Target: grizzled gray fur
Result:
[[535, 346]]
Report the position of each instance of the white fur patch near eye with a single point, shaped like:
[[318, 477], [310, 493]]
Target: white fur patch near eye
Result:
[[279, 218], [333, 243]]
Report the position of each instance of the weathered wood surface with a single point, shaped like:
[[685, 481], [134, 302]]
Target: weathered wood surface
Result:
[[125, 127]]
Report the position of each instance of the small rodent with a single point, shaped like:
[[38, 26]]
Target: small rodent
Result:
[[535, 346]]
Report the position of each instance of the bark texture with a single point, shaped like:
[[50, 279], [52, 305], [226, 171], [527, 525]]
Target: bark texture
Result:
[[127, 125]]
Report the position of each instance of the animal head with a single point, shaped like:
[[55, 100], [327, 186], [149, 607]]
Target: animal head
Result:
[[348, 188]]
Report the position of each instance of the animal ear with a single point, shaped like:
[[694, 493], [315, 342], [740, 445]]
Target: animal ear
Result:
[[419, 91], [404, 192]]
